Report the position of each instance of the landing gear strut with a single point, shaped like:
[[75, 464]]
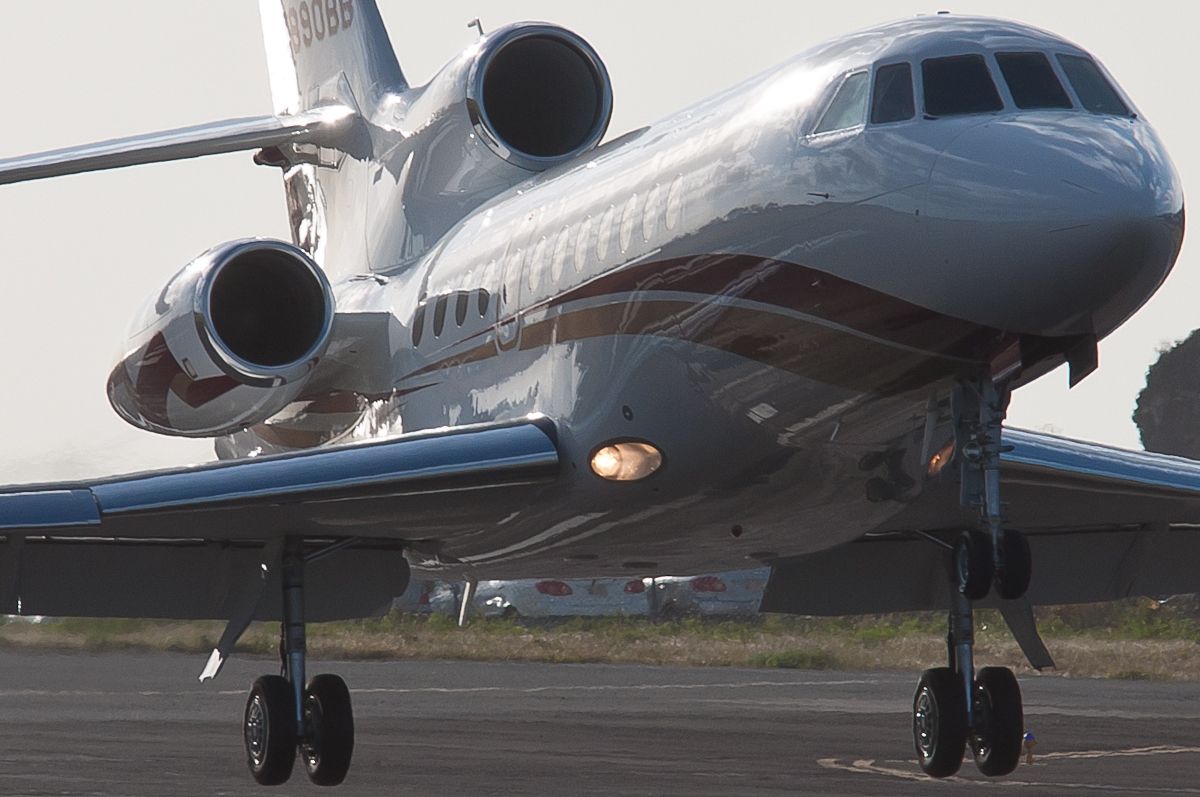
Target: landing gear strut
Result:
[[282, 714], [954, 705]]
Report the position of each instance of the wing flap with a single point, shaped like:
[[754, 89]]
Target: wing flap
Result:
[[190, 580], [321, 126]]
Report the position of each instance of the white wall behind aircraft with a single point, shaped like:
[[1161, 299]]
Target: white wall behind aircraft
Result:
[[79, 254]]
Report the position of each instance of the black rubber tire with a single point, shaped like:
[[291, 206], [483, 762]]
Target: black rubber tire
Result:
[[997, 745], [940, 722], [330, 746], [973, 565], [1012, 580], [269, 730]]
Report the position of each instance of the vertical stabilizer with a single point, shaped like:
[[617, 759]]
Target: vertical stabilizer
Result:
[[312, 44]]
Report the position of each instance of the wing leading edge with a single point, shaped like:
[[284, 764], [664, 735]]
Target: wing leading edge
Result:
[[324, 126]]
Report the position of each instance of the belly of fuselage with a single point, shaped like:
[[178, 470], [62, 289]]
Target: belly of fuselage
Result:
[[781, 434]]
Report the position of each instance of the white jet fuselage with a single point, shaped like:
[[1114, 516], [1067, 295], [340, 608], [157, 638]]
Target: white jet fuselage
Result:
[[779, 301]]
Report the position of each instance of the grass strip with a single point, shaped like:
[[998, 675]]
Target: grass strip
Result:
[[1133, 640]]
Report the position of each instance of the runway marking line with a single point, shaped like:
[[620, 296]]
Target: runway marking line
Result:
[[387, 690], [868, 766], [446, 690]]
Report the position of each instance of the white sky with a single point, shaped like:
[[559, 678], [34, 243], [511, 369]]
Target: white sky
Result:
[[79, 254]]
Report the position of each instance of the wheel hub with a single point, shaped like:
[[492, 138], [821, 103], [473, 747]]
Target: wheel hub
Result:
[[256, 730], [925, 722], [310, 748]]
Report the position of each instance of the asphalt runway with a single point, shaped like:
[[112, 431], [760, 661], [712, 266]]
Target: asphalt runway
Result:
[[140, 724]]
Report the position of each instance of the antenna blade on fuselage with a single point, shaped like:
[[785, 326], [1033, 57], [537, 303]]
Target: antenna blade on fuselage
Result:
[[321, 126]]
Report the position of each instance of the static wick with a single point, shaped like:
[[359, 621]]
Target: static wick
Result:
[[477, 25]]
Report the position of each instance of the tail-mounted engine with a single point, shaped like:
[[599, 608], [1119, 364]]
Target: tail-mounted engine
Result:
[[523, 99], [230, 341], [538, 95]]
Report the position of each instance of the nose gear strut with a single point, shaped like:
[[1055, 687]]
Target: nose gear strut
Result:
[[954, 705]]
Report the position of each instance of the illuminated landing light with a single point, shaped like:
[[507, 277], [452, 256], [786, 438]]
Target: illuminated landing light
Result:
[[626, 462], [939, 460]]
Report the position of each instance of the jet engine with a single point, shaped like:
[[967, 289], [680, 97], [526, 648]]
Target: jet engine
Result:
[[230, 341], [525, 98], [537, 95]]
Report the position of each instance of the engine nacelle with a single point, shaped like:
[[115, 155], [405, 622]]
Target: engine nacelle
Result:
[[523, 99], [537, 95], [230, 341]]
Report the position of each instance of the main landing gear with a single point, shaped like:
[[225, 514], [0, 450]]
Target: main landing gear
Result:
[[284, 716], [954, 705]]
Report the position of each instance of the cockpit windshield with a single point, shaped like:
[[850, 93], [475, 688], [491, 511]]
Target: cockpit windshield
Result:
[[1091, 86], [893, 101], [848, 107], [959, 84], [1031, 81]]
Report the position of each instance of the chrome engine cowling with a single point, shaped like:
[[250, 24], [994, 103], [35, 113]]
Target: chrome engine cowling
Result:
[[231, 340], [538, 95], [524, 99]]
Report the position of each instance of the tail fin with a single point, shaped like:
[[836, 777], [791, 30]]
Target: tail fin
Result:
[[312, 44]]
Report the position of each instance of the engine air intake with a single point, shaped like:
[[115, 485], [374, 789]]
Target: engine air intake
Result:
[[268, 307], [541, 95]]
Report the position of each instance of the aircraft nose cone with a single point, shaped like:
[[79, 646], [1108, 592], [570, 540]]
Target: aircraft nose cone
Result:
[[1065, 223]]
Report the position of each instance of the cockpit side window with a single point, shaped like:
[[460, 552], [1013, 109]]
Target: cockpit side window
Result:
[[1093, 89], [893, 100], [959, 84], [1032, 81], [848, 107]]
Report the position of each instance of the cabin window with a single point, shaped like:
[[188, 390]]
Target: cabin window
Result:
[[605, 233], [1091, 86], [848, 107], [674, 211], [960, 84], [537, 261], [485, 299], [562, 247], [650, 214], [629, 218], [439, 317], [582, 243], [461, 306], [893, 101], [418, 325], [1032, 81]]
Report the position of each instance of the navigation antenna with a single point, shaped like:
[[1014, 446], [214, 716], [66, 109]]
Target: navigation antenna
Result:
[[477, 25]]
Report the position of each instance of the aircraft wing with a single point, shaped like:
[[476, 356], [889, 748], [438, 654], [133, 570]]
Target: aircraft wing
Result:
[[1102, 523], [322, 126], [186, 543]]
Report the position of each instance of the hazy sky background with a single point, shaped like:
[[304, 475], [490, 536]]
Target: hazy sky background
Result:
[[79, 254]]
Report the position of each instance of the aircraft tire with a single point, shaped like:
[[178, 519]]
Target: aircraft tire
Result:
[[330, 746], [1012, 580], [940, 722], [269, 730], [997, 744]]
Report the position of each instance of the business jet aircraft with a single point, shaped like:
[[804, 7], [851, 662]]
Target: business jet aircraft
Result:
[[781, 327]]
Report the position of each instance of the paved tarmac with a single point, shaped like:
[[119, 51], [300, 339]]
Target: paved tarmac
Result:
[[140, 724]]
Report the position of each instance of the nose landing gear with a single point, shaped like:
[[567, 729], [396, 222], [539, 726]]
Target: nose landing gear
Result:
[[954, 706]]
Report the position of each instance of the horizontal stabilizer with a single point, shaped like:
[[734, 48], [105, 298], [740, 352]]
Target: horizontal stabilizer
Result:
[[322, 126]]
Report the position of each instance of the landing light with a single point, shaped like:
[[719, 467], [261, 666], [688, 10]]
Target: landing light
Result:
[[626, 462], [939, 460]]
